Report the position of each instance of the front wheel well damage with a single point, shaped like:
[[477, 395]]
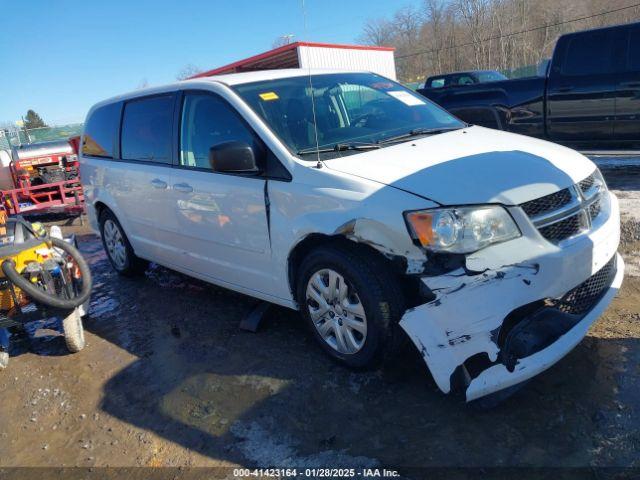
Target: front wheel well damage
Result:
[[411, 286]]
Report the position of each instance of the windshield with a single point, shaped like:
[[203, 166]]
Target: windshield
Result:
[[350, 109], [490, 76]]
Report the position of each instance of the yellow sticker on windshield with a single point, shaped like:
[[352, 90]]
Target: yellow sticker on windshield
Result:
[[268, 96]]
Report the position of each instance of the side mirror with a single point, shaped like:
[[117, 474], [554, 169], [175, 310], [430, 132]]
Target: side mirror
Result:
[[233, 157]]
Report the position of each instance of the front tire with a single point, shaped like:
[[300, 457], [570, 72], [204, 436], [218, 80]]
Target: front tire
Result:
[[352, 303], [119, 250]]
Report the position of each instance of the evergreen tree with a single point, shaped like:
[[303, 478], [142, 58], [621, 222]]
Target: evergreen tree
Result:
[[33, 120]]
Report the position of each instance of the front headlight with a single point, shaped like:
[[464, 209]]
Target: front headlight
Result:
[[461, 229]]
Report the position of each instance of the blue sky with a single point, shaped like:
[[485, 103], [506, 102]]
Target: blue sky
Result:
[[60, 57]]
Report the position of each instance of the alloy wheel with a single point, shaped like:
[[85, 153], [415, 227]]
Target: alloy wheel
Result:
[[336, 311], [114, 241]]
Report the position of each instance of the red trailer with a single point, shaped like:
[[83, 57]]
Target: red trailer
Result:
[[44, 179]]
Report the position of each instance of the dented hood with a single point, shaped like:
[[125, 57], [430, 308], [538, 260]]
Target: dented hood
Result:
[[471, 165]]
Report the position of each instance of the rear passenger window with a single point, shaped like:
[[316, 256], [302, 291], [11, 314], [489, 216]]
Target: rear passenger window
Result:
[[633, 57], [147, 129], [100, 131], [588, 54]]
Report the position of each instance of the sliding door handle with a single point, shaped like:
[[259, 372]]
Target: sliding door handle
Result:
[[157, 183], [183, 188]]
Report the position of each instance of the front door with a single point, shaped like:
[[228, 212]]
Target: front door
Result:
[[220, 218]]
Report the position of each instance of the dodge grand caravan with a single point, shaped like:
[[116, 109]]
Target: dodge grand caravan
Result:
[[366, 207]]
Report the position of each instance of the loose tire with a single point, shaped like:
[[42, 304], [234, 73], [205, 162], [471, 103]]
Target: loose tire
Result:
[[352, 303], [119, 250], [73, 331]]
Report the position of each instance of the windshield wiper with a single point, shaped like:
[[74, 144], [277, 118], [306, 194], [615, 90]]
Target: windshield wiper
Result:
[[415, 133], [339, 147]]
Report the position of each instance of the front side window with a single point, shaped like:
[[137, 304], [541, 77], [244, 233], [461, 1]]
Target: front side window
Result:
[[341, 108], [100, 131], [147, 129], [208, 121], [437, 83]]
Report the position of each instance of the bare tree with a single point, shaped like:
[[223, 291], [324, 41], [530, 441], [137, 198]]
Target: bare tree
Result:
[[434, 30], [378, 32], [189, 70], [447, 35], [282, 40]]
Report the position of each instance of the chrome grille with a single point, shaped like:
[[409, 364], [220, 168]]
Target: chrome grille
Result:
[[567, 228], [582, 298], [547, 203], [594, 209], [587, 183], [569, 212]]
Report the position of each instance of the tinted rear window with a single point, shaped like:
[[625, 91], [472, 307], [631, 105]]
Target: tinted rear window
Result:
[[588, 54], [147, 129], [100, 131]]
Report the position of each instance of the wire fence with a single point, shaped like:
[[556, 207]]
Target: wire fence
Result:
[[14, 136]]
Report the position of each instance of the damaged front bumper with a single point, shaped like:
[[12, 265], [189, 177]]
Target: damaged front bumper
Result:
[[505, 317]]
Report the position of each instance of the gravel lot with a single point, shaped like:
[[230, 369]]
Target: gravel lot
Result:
[[168, 379]]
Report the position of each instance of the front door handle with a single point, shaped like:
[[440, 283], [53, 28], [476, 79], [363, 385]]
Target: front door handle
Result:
[[565, 88], [183, 187], [630, 84], [157, 183]]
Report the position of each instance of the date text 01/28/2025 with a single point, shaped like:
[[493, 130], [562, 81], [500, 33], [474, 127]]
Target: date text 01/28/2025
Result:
[[315, 472]]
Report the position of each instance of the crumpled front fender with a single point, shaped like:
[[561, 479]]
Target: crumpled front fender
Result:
[[471, 304]]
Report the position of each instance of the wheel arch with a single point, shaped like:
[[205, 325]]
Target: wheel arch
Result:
[[396, 265], [100, 206]]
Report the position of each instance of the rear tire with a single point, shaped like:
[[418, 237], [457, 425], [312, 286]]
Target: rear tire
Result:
[[352, 303], [119, 250]]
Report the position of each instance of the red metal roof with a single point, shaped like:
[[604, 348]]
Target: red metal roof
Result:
[[281, 57]]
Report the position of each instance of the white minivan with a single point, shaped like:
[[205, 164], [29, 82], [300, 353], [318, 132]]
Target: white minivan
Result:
[[366, 207]]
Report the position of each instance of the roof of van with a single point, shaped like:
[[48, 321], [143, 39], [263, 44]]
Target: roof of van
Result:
[[260, 75], [227, 79]]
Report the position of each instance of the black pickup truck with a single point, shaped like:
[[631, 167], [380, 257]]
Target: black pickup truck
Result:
[[589, 98]]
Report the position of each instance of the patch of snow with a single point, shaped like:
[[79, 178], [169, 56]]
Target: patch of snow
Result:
[[268, 450]]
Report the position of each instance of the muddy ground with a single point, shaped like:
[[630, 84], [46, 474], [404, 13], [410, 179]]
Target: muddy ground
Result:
[[168, 379]]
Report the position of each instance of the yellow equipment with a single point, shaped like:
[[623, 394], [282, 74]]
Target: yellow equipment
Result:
[[40, 277]]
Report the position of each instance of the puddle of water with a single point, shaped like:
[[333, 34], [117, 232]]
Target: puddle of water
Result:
[[213, 402], [164, 278], [102, 305]]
